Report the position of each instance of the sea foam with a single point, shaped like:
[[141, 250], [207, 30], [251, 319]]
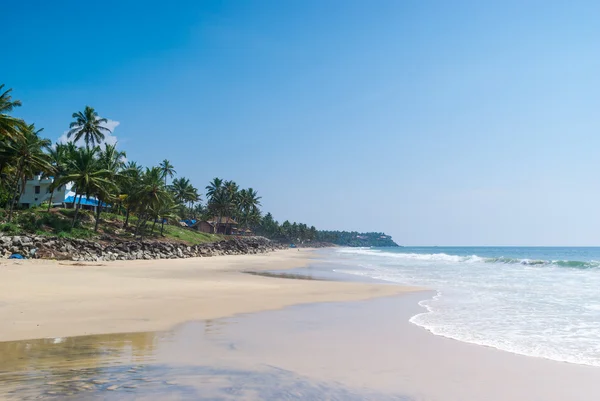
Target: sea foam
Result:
[[533, 302]]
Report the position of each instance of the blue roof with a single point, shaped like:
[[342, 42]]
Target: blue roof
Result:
[[84, 201]]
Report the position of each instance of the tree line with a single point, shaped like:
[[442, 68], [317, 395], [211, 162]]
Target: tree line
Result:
[[100, 171], [299, 232]]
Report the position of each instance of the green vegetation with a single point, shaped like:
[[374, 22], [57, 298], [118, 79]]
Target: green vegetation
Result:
[[133, 202], [353, 238], [299, 232]]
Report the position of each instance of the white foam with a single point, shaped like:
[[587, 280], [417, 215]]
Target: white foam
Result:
[[542, 311]]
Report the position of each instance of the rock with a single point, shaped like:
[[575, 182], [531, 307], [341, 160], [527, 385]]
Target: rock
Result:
[[83, 250]]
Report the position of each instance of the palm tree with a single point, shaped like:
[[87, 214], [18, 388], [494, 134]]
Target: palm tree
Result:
[[167, 169], [87, 175], [198, 211], [214, 186], [111, 160], [129, 181], [166, 210], [193, 197], [149, 195], [30, 158], [248, 202], [232, 191], [59, 157], [88, 125], [10, 127], [220, 205]]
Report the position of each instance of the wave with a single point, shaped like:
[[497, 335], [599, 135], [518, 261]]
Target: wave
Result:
[[494, 340], [443, 257], [578, 264]]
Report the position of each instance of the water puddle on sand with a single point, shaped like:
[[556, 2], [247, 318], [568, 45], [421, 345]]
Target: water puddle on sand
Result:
[[234, 358]]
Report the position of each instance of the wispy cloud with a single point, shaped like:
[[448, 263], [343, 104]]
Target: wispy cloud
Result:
[[110, 139]]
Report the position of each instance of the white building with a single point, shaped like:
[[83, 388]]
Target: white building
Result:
[[37, 191]]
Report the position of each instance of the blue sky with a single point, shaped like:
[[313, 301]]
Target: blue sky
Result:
[[440, 123]]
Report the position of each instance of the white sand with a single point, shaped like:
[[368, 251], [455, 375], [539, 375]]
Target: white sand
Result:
[[41, 299]]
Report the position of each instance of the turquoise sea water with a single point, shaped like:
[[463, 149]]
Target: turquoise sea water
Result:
[[542, 302]]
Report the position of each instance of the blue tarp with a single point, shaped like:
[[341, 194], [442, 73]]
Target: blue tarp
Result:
[[84, 201]]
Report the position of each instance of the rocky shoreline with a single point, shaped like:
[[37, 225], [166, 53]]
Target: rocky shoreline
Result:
[[93, 251]]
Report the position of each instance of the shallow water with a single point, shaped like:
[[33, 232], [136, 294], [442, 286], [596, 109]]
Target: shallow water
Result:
[[364, 350], [207, 360], [541, 302]]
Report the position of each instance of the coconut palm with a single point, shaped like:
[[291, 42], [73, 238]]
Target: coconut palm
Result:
[[220, 205], [214, 186], [129, 180], [248, 200], [87, 175], [166, 210], [232, 192], [30, 158], [111, 160], [167, 169], [59, 157], [182, 190], [89, 126], [148, 196], [10, 127], [193, 197]]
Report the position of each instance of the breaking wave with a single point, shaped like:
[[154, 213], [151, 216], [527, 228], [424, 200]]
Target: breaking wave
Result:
[[443, 257]]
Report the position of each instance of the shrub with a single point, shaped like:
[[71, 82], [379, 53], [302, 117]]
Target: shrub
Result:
[[67, 212], [81, 233], [9, 228], [56, 222], [29, 221]]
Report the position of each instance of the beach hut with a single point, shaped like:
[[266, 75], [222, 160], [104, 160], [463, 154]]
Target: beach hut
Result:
[[224, 225]]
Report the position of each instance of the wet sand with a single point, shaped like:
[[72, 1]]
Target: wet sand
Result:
[[360, 350]]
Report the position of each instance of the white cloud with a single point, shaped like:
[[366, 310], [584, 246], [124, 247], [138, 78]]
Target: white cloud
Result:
[[110, 139]]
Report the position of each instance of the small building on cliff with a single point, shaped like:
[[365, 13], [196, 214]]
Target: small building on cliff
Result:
[[224, 225], [37, 191]]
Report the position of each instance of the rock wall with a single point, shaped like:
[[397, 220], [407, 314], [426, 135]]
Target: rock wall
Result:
[[89, 251]]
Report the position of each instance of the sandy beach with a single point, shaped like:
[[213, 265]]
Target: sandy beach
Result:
[[41, 299], [203, 329]]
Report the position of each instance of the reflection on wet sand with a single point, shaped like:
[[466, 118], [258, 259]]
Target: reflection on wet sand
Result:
[[165, 382], [198, 361]]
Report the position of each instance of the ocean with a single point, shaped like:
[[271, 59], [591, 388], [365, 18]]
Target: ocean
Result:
[[541, 302]]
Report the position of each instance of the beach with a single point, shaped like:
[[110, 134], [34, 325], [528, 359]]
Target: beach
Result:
[[40, 299], [203, 329]]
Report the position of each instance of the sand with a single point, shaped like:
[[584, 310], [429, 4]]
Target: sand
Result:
[[298, 346], [42, 299]]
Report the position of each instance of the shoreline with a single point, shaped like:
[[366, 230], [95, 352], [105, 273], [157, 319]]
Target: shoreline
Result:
[[305, 336], [46, 299]]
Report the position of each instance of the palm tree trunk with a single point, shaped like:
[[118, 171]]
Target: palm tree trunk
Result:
[[2, 166], [143, 230], [99, 210], [77, 206], [137, 226], [50, 200], [12, 200], [153, 225], [126, 218]]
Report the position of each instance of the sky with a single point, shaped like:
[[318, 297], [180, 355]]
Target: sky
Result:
[[437, 122]]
